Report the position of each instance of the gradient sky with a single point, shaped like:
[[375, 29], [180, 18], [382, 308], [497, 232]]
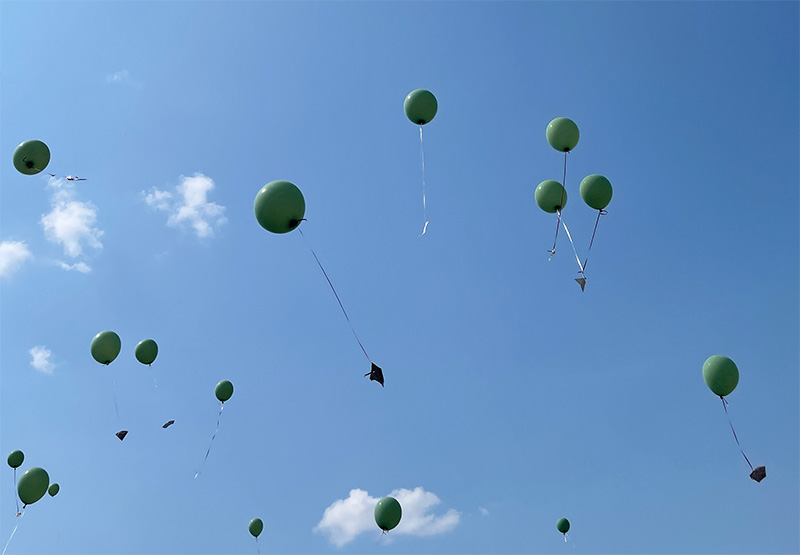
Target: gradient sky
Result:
[[512, 399]]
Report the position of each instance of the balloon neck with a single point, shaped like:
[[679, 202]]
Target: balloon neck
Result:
[[421, 122], [29, 164]]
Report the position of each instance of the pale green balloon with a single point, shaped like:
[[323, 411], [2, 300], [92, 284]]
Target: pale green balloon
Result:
[[596, 191], [720, 374], [279, 206], [550, 196], [420, 106], [31, 157], [105, 347], [563, 134]]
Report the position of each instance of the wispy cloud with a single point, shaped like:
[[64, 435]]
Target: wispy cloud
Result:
[[12, 256], [70, 223], [81, 267], [345, 519], [118, 76], [40, 360], [484, 511], [189, 205]]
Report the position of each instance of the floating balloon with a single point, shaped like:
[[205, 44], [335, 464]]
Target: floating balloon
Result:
[[32, 485], [563, 525], [53, 489], [550, 196], [105, 347], [279, 206], [721, 375], [388, 513], [255, 527], [16, 458], [146, 351], [596, 191], [224, 390], [563, 134], [31, 157], [420, 106]]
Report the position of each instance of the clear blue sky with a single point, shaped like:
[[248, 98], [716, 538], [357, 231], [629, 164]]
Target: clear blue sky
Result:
[[511, 397]]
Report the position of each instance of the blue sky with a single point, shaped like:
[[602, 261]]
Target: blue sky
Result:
[[512, 399]]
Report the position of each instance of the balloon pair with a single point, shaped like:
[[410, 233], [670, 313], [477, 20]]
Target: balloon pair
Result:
[[106, 346], [33, 484]]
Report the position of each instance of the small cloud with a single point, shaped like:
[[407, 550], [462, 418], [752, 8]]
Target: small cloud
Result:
[[71, 222], [81, 267], [347, 518], [484, 511], [189, 205], [119, 76], [12, 255], [40, 360]]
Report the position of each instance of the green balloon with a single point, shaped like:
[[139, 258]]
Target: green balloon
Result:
[[279, 206], [255, 527], [420, 106], [563, 134], [721, 375], [388, 513], [563, 525], [146, 351], [15, 458], [596, 191], [105, 347], [53, 490], [224, 390], [550, 196], [31, 157], [32, 485]]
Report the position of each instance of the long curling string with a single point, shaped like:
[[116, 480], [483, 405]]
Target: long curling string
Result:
[[725, 406], [219, 416], [13, 532], [424, 205], [571, 242], [335, 294], [597, 221], [563, 191]]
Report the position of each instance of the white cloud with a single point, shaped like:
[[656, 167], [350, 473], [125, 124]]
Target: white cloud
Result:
[[118, 76], [189, 205], [347, 518], [71, 222], [12, 255], [484, 511], [81, 267], [40, 360]]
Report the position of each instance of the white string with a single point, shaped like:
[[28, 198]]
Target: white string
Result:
[[424, 204], [14, 532], [572, 243]]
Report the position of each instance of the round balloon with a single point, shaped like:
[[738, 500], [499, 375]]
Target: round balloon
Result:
[[420, 106], [563, 134], [563, 525], [53, 490], [146, 351], [255, 527], [32, 485], [550, 196], [15, 458], [105, 347], [31, 157], [721, 375], [279, 206], [596, 191], [388, 513], [224, 390]]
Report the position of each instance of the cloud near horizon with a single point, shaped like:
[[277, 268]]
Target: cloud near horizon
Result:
[[345, 519], [189, 205]]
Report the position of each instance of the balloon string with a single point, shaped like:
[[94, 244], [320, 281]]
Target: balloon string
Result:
[[555, 239], [335, 294], [424, 204], [597, 221], [258, 548], [563, 192], [114, 390], [13, 532], [725, 406], [571, 242], [219, 416], [16, 496]]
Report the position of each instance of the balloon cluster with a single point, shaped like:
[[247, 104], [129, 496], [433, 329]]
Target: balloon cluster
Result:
[[33, 483]]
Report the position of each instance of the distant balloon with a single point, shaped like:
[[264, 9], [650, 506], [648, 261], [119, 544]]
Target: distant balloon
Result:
[[31, 157], [146, 351], [596, 191], [563, 134], [53, 489], [279, 206], [550, 196], [563, 525], [721, 375], [420, 106], [224, 390], [16, 458], [105, 347], [255, 527], [388, 513], [32, 485]]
